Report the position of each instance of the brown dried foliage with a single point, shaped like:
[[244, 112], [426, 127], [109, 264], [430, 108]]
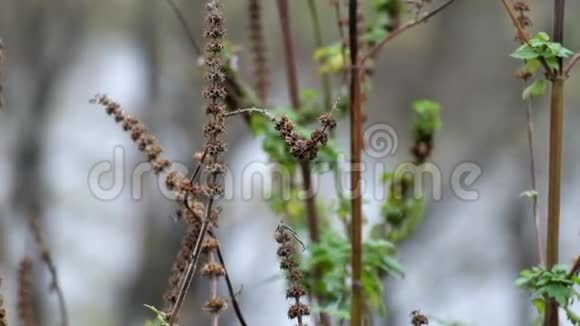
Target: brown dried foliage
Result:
[[146, 142], [25, 308], [289, 263]]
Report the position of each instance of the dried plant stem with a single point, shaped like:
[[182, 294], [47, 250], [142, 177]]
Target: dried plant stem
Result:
[[183, 22], [251, 110], [310, 200], [575, 268], [324, 78], [535, 204], [571, 64], [392, 35], [46, 258], [357, 307], [555, 169], [231, 291], [191, 267], [213, 284]]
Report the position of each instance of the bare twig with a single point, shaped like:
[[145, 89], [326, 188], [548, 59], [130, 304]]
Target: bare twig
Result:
[[231, 292], [571, 64], [324, 78], [250, 110], [575, 270], [46, 258], [535, 205], [186, 29], [191, 267], [392, 35]]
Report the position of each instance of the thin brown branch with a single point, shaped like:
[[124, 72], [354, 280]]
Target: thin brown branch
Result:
[[191, 267], [357, 305], [46, 258], [575, 270], [392, 35], [250, 110], [535, 204], [571, 64], [231, 292], [324, 78], [186, 29]]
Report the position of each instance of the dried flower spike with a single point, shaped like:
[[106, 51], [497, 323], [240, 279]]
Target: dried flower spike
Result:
[[146, 142], [25, 308], [418, 319], [289, 262]]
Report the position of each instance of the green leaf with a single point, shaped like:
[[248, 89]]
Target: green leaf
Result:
[[537, 88], [161, 316], [539, 303], [525, 52], [427, 117], [533, 65]]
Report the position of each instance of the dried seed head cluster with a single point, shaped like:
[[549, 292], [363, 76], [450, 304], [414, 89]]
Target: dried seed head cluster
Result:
[[300, 147], [422, 148], [418, 319], [523, 9], [215, 95], [258, 46], [3, 318], [146, 142], [289, 262], [183, 257], [25, 308]]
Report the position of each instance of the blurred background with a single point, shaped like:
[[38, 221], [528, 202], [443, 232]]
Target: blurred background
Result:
[[114, 255]]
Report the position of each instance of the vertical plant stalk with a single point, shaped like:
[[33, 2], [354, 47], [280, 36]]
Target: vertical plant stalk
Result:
[[355, 177], [555, 169], [554, 187], [46, 258], [291, 73], [324, 78], [535, 202]]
